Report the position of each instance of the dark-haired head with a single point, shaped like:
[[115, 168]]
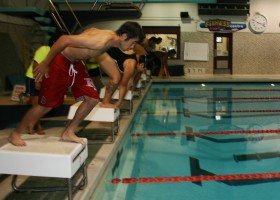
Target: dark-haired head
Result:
[[132, 30], [172, 53], [159, 40], [153, 39]]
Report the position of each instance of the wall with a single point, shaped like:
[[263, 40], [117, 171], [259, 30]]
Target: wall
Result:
[[19, 38], [197, 67], [13, 42], [252, 54], [256, 54]]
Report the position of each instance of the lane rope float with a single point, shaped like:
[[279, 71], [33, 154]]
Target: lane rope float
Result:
[[206, 133], [195, 178]]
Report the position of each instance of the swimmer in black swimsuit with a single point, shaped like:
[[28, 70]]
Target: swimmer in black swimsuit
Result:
[[120, 57], [126, 63]]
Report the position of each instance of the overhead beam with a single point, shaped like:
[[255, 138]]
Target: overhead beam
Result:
[[138, 1]]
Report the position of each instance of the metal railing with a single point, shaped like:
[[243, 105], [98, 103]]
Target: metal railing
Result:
[[95, 6], [58, 19]]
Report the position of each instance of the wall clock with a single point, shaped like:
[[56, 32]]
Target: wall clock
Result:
[[258, 23]]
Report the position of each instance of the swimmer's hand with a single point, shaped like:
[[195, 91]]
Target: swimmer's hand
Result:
[[140, 67], [40, 71]]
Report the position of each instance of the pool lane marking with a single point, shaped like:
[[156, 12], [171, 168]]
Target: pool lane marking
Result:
[[238, 90], [231, 111], [232, 98], [213, 111], [185, 99], [202, 100], [218, 90], [196, 178], [206, 133], [242, 115]]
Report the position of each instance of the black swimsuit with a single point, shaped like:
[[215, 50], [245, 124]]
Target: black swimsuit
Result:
[[119, 56]]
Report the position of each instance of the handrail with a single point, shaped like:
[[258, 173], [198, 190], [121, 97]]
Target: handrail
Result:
[[78, 22], [63, 26], [59, 21], [94, 4]]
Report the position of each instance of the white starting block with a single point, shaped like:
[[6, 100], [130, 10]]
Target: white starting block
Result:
[[99, 114], [139, 87], [144, 78], [128, 96], [45, 156]]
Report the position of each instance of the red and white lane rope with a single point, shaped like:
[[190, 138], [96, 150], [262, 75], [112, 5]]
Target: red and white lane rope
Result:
[[206, 133], [196, 178]]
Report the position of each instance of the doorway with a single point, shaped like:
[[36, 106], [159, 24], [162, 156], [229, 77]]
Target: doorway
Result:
[[222, 53]]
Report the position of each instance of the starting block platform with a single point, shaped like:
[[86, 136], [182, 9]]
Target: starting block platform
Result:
[[99, 114], [128, 96], [45, 156], [144, 78], [139, 87]]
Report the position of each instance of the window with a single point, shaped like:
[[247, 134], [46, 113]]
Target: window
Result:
[[170, 37]]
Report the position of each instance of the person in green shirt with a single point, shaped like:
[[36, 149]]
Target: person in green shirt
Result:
[[32, 87]]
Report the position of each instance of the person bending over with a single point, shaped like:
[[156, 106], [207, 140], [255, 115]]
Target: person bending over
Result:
[[129, 67], [63, 68], [32, 87], [126, 62], [142, 57]]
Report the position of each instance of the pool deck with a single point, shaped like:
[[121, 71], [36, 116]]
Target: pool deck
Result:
[[100, 155]]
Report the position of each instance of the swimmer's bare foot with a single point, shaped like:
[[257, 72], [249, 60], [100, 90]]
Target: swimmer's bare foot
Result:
[[71, 137], [30, 129], [40, 130], [15, 139]]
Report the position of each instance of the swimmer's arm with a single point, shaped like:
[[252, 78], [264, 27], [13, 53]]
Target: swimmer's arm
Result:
[[139, 50], [57, 47], [129, 69], [63, 42], [37, 83]]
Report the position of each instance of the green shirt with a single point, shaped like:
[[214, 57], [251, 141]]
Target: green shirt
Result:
[[91, 64], [39, 56]]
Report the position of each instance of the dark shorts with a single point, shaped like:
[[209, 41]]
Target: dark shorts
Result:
[[30, 87]]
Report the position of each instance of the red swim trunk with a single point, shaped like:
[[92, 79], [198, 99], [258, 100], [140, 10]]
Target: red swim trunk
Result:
[[63, 75]]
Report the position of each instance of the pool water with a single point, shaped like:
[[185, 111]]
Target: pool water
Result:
[[196, 141]]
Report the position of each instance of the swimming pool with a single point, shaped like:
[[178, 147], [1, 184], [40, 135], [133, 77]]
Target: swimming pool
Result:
[[200, 141]]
